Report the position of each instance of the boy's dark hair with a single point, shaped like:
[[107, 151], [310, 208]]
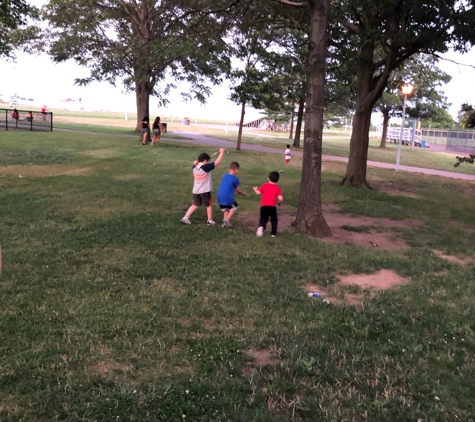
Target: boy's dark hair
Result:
[[274, 176], [203, 157], [287, 146], [234, 165]]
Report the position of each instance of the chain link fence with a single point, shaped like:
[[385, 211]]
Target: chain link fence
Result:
[[15, 119], [462, 140]]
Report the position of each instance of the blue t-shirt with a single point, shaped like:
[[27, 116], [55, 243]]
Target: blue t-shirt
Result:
[[228, 185]]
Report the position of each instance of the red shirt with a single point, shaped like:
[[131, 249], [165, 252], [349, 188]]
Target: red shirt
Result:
[[270, 192]]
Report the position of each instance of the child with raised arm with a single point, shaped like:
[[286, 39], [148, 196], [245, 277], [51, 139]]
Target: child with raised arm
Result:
[[271, 196], [202, 186], [229, 184]]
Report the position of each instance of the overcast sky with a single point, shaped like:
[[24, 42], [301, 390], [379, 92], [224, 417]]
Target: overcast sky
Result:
[[36, 77]]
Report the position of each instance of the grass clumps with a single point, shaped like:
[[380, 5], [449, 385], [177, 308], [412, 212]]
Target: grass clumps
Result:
[[113, 310]]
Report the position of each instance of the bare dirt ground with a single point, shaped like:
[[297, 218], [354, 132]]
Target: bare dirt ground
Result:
[[453, 259], [382, 280], [363, 231]]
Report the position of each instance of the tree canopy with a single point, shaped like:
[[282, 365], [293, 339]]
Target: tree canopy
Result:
[[141, 44], [14, 14]]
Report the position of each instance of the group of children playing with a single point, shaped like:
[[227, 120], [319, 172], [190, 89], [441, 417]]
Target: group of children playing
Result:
[[271, 194]]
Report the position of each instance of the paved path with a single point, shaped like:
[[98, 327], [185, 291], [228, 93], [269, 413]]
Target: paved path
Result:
[[194, 138]]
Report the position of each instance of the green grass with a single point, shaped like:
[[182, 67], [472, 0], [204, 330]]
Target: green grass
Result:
[[112, 310], [332, 145]]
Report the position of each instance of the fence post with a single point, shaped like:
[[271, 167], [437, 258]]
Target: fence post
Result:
[[51, 121], [6, 119]]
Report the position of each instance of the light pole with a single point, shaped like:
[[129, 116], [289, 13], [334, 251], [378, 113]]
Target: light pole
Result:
[[406, 90]]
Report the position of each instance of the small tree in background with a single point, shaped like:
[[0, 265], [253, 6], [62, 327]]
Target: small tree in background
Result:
[[467, 116]]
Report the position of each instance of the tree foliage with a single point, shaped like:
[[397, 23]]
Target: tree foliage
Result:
[[14, 14], [467, 116], [375, 38], [141, 44]]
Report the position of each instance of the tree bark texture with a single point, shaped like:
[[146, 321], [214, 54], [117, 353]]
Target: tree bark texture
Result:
[[298, 126], [142, 94], [384, 135], [241, 123], [291, 133], [309, 217]]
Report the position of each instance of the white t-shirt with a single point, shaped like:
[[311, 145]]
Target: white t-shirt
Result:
[[287, 154]]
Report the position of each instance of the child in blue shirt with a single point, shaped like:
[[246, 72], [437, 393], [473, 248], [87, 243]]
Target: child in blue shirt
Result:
[[229, 184]]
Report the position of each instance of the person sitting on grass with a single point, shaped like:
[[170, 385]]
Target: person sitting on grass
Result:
[[202, 186], [229, 184], [271, 196]]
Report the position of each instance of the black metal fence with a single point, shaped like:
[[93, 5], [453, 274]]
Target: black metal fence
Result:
[[16, 119]]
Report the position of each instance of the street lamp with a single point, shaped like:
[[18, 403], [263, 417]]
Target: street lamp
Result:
[[406, 90]]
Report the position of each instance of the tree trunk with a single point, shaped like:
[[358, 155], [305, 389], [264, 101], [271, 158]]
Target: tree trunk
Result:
[[291, 133], [298, 126], [369, 90], [309, 217], [386, 118], [241, 123], [142, 95]]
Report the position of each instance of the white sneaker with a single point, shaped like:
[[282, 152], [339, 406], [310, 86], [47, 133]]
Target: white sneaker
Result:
[[185, 220], [260, 231], [210, 222]]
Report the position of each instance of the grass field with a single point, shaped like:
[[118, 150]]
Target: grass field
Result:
[[334, 142], [112, 310]]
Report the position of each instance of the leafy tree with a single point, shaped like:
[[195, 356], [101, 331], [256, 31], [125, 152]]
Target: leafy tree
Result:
[[141, 43], [375, 38], [428, 98], [14, 14], [467, 116]]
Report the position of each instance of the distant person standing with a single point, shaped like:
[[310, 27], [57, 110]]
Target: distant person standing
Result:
[[287, 155], [43, 112], [145, 129], [157, 130], [15, 116]]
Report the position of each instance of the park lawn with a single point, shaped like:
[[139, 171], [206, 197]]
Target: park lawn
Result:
[[113, 310]]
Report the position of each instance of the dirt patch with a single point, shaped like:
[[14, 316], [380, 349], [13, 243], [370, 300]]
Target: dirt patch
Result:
[[43, 171], [382, 280], [110, 367], [453, 259], [374, 235], [262, 357]]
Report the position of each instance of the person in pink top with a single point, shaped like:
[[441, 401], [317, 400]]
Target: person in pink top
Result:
[[271, 197]]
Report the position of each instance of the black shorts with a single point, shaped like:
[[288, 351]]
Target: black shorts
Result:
[[232, 207], [202, 199]]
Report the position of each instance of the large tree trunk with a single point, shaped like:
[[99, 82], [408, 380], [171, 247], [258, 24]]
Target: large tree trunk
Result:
[[369, 90], [310, 218], [298, 126], [384, 135], [142, 95], [241, 123]]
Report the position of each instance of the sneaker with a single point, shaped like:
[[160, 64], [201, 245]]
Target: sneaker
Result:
[[185, 220], [226, 223], [273, 235], [210, 222], [259, 231]]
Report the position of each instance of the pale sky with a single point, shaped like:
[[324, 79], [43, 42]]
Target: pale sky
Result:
[[47, 83]]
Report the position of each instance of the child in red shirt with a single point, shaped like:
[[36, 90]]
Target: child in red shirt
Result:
[[271, 196]]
